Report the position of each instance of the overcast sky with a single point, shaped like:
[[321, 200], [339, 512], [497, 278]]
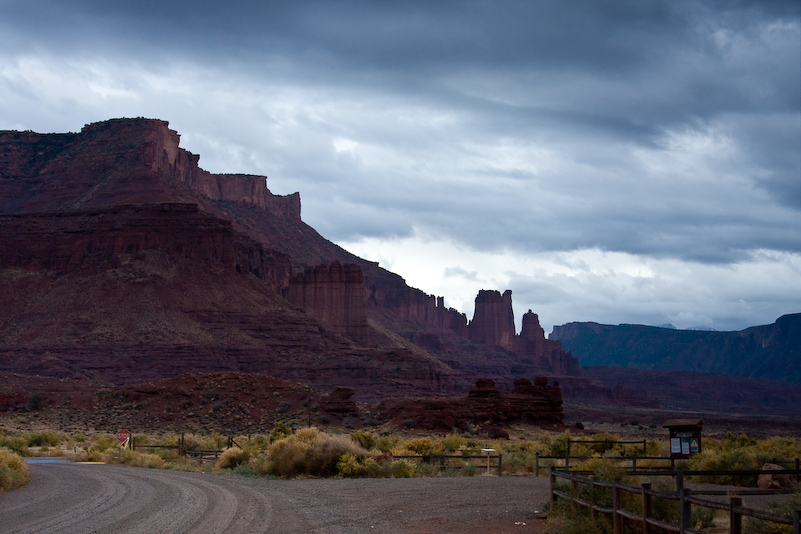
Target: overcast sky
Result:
[[610, 161]]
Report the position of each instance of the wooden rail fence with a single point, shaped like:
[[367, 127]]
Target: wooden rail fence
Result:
[[685, 497], [667, 469]]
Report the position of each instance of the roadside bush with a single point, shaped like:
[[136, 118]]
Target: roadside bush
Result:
[[352, 466], [231, 458], [308, 452], [402, 469], [18, 444], [133, 458], [13, 470], [43, 439]]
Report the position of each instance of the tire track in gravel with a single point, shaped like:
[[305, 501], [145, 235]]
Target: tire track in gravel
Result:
[[66, 498]]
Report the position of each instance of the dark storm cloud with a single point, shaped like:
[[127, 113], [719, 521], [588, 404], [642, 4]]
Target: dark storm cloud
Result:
[[621, 98]]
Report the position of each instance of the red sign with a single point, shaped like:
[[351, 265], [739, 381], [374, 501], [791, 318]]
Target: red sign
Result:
[[123, 436]]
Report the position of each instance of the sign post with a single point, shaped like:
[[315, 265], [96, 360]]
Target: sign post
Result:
[[123, 436]]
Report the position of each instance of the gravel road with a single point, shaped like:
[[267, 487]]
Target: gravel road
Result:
[[66, 497]]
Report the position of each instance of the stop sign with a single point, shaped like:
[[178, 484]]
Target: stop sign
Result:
[[123, 436]]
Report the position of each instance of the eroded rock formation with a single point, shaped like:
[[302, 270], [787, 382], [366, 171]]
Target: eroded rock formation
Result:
[[493, 320], [333, 294]]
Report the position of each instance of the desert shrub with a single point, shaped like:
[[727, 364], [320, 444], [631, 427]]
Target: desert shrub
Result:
[[310, 452], [402, 469], [725, 460], [231, 458], [43, 439], [280, 431], [603, 468], [352, 466], [260, 441], [422, 446], [13, 470], [364, 439], [132, 458], [35, 401], [321, 458], [785, 507], [469, 469], [103, 443], [386, 443], [452, 442], [18, 444], [556, 445], [520, 461], [260, 464]]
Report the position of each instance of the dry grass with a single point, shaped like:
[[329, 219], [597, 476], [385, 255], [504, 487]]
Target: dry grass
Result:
[[13, 470]]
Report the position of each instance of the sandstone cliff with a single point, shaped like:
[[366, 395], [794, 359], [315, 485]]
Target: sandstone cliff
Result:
[[122, 260]]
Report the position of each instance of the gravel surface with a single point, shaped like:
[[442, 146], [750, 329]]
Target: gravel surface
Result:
[[66, 497]]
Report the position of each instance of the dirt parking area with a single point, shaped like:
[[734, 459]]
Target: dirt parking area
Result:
[[66, 497]]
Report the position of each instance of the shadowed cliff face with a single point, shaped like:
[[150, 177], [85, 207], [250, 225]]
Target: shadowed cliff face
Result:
[[121, 260], [116, 162]]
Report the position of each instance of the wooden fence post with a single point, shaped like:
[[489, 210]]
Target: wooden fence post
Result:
[[686, 510], [646, 508], [500, 463], [617, 519], [537, 464], [573, 493], [735, 518], [553, 483]]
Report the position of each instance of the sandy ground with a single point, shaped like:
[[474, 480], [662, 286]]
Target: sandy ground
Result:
[[64, 497]]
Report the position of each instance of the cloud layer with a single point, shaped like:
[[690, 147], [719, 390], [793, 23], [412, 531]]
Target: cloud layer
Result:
[[615, 161]]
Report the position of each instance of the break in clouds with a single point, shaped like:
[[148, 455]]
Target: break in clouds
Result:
[[612, 161]]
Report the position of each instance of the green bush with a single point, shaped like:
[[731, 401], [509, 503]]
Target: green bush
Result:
[[13, 470]]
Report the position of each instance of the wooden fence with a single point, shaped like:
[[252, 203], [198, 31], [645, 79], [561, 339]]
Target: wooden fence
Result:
[[685, 497], [668, 468]]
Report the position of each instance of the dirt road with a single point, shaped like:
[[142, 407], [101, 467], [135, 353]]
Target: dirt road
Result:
[[64, 497]]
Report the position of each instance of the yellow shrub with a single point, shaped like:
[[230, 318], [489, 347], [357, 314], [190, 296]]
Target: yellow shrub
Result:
[[13, 470], [233, 457]]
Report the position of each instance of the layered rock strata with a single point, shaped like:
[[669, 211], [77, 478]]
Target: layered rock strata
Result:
[[333, 294]]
